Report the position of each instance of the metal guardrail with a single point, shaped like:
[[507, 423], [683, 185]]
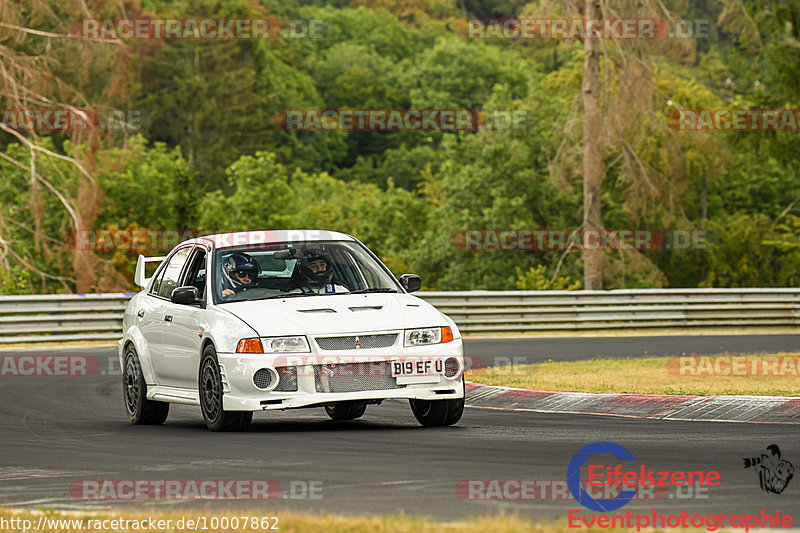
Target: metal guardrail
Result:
[[478, 312], [61, 318]]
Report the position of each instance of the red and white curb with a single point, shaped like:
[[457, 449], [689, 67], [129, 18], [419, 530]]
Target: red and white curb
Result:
[[753, 409]]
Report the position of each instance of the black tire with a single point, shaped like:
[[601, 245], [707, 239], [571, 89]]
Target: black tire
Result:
[[454, 411], [247, 418], [134, 391], [210, 391], [438, 412], [346, 410]]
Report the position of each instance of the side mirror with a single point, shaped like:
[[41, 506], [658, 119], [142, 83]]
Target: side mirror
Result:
[[185, 296], [411, 282]]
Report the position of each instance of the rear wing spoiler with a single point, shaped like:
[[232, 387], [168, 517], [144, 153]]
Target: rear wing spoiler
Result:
[[139, 277]]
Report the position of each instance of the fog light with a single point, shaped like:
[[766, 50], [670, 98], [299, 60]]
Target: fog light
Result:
[[262, 378], [451, 367]]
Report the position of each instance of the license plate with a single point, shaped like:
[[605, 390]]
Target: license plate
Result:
[[416, 368]]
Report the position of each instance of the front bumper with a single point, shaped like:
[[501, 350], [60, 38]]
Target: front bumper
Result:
[[323, 378]]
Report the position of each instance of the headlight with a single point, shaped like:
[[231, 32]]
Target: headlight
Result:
[[285, 344], [423, 336]]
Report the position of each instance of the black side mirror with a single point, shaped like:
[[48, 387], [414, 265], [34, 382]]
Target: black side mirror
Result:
[[411, 282], [185, 296]]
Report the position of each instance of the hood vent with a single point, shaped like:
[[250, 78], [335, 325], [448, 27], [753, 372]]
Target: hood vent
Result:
[[325, 310], [367, 308]]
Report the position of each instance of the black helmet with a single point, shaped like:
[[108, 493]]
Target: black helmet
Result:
[[315, 279], [239, 263]]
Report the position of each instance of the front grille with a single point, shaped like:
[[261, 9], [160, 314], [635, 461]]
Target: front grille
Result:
[[287, 379], [349, 343], [354, 377], [262, 378]]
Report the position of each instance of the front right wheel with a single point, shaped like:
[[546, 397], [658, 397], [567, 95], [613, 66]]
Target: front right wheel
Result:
[[210, 388]]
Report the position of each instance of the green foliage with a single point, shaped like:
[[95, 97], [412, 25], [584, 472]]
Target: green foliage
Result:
[[455, 74], [267, 194], [36, 230], [201, 96], [536, 279], [153, 187], [210, 157], [788, 235], [16, 280], [749, 253]]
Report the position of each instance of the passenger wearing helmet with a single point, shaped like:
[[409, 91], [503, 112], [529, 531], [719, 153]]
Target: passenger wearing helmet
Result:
[[314, 276], [239, 272]]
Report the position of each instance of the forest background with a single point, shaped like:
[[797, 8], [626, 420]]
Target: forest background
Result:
[[199, 148]]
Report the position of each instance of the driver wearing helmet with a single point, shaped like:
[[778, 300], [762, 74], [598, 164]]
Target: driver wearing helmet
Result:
[[239, 272], [315, 276]]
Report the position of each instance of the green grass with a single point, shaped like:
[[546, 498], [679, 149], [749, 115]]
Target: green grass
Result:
[[636, 376], [292, 521]]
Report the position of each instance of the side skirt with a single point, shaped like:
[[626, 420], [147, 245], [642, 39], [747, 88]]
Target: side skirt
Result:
[[173, 395]]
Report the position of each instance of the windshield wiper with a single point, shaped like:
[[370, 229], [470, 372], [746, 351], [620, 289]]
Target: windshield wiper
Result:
[[287, 295], [373, 289]]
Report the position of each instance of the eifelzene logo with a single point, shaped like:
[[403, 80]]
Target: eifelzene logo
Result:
[[601, 475]]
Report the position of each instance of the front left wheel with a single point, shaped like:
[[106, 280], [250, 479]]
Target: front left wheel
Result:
[[439, 412], [134, 390], [210, 388]]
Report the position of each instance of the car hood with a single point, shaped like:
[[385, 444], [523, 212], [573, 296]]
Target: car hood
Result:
[[336, 314]]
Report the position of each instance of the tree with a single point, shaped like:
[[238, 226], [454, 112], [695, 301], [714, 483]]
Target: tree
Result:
[[34, 40], [593, 167]]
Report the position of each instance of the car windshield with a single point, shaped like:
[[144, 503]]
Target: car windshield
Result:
[[292, 269]]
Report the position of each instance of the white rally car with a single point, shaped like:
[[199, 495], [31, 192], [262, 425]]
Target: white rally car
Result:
[[268, 320]]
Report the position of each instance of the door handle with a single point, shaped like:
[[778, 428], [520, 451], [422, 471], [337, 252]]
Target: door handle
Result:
[[168, 318], [140, 314]]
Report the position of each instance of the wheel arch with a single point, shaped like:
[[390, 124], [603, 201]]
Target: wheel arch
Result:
[[134, 338], [208, 341]]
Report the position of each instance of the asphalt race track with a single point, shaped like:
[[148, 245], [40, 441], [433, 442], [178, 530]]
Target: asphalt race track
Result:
[[59, 430]]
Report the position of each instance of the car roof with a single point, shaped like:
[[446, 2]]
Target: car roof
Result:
[[257, 237]]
